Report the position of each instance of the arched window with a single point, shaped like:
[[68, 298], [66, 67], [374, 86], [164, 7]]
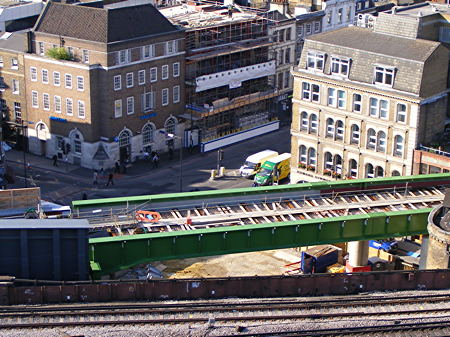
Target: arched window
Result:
[[369, 171], [339, 130], [42, 131], [398, 146], [124, 138], [371, 139], [312, 157], [354, 134], [353, 168], [337, 164], [147, 134], [328, 161], [330, 128], [304, 121], [379, 172], [381, 141], [395, 173], [76, 138], [302, 152], [313, 123], [170, 124]]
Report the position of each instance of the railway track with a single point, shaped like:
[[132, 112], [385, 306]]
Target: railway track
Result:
[[277, 209], [403, 307]]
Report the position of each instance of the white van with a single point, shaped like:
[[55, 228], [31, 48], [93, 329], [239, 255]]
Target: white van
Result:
[[253, 163]]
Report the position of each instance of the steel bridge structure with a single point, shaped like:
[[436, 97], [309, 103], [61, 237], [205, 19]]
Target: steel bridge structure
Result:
[[252, 219]]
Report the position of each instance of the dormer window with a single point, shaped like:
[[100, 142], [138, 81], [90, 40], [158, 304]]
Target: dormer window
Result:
[[340, 66], [384, 75], [315, 60]]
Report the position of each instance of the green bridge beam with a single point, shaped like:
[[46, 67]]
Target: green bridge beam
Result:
[[108, 255]]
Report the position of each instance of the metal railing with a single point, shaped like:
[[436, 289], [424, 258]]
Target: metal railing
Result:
[[433, 150]]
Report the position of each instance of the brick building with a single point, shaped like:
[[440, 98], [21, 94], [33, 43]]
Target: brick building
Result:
[[363, 101], [123, 80]]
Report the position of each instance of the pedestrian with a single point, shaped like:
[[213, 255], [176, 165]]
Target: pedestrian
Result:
[[117, 167], [84, 196], [110, 179], [95, 177], [55, 160], [155, 160], [102, 172]]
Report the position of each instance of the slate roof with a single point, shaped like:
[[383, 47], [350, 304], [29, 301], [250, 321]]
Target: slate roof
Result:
[[102, 24], [365, 40]]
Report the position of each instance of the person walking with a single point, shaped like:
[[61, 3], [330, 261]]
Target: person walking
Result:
[[55, 160], [155, 160], [117, 167], [110, 179], [95, 178]]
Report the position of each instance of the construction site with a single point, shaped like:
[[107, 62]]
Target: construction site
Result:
[[230, 73]]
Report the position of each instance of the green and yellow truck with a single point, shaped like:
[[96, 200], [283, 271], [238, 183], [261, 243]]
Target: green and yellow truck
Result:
[[274, 170]]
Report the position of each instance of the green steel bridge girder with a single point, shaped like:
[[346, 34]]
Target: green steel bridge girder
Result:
[[108, 255]]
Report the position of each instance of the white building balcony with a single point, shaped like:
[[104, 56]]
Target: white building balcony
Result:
[[234, 77]]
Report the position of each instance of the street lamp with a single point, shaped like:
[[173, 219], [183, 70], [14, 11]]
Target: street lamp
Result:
[[172, 136]]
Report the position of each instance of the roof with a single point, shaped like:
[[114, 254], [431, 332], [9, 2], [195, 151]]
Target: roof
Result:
[[357, 38], [102, 24], [44, 223], [16, 41]]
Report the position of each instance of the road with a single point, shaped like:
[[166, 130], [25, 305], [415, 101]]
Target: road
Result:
[[141, 178]]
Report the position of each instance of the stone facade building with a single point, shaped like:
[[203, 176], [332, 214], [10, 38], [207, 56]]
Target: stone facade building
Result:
[[363, 101], [123, 80]]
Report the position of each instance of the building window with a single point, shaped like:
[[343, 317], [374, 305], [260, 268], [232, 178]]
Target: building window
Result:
[[176, 94], [332, 97], [117, 82], [165, 72], [34, 99], [14, 64], [56, 78], [130, 105], [371, 139], [169, 125], [312, 157], [354, 134], [302, 155], [41, 48], [69, 106], [77, 146], [141, 77], [287, 78], [153, 74], [401, 113], [339, 15], [123, 56], [308, 28], [310, 92], [369, 171], [353, 167], [315, 60], [129, 80], [304, 122], [341, 99], [57, 104], [378, 108], [17, 111], [1, 61], [176, 69], [171, 47], [85, 56], [148, 51], [15, 87], [313, 125], [80, 83], [70, 51], [357, 99], [148, 101], [349, 12], [329, 19], [287, 55], [398, 146], [316, 26], [384, 75], [81, 109], [33, 74], [165, 96], [147, 134], [281, 35], [118, 108], [44, 76], [300, 31], [288, 34], [339, 130], [330, 128], [340, 66], [381, 141], [46, 101], [68, 81]]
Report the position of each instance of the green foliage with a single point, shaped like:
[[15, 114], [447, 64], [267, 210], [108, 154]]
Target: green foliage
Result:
[[59, 53]]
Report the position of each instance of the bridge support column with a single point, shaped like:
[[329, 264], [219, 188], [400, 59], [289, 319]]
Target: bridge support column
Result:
[[358, 255]]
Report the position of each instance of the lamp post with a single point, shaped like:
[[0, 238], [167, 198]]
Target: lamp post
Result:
[[172, 136]]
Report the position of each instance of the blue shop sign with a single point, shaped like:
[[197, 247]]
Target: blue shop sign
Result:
[[58, 119], [153, 114]]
